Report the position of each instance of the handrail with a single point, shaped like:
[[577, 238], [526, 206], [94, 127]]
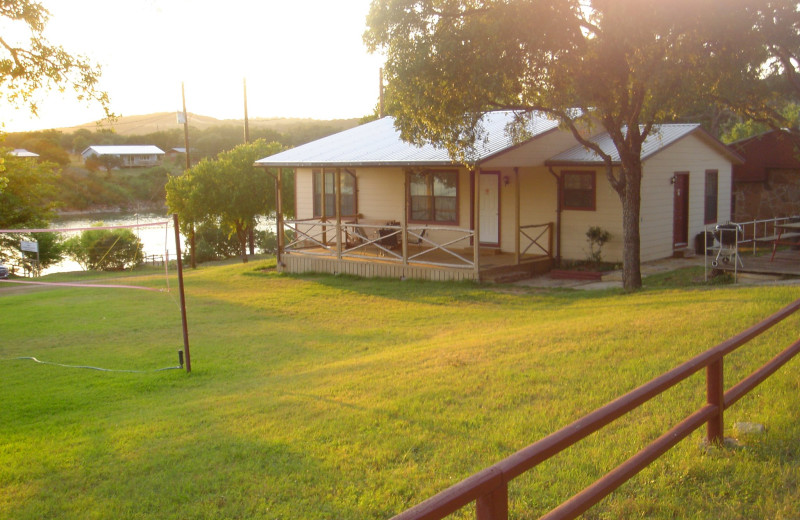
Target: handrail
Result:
[[547, 228], [489, 487]]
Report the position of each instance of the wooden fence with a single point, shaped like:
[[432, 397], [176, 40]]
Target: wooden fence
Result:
[[489, 488]]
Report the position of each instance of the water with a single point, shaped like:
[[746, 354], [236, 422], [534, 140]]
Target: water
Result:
[[156, 240]]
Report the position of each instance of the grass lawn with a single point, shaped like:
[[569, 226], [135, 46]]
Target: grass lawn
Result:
[[321, 397]]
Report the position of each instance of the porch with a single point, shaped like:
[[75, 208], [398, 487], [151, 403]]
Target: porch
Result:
[[392, 249]]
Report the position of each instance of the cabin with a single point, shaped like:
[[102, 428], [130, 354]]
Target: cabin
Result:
[[369, 204], [22, 152], [130, 156], [767, 185]]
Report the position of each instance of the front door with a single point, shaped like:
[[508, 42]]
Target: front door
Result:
[[680, 232], [490, 208]]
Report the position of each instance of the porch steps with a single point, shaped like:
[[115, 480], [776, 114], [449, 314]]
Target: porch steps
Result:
[[515, 273], [684, 252]]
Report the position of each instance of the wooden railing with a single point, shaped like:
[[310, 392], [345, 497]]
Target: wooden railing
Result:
[[429, 245], [489, 488], [536, 239]]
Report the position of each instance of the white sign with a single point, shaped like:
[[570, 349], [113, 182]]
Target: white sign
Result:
[[31, 247], [181, 118]]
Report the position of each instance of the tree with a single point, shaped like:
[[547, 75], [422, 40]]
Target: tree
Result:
[[27, 68], [105, 250], [229, 190], [626, 65]]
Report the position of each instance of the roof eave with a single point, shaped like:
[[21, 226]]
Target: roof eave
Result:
[[349, 164]]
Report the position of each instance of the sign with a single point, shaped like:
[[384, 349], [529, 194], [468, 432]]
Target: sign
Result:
[[181, 118], [31, 247]]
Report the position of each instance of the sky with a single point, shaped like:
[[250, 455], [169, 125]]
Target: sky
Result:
[[300, 58]]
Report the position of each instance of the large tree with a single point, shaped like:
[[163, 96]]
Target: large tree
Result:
[[32, 64], [622, 65], [228, 190]]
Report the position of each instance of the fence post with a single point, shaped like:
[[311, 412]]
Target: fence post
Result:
[[715, 392], [494, 505]]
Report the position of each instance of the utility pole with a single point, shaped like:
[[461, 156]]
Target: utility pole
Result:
[[246, 122], [380, 95], [192, 259], [251, 229]]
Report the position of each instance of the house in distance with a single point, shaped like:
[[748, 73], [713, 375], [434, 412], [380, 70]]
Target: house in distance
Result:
[[129, 156]]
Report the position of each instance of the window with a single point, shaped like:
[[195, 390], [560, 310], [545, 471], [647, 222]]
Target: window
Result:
[[433, 196], [712, 182], [325, 182], [578, 191]]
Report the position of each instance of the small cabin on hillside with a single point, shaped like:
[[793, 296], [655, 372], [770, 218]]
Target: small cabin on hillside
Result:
[[369, 204], [767, 185], [130, 156]]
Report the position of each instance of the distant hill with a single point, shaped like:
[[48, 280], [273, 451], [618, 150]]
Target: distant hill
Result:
[[165, 121]]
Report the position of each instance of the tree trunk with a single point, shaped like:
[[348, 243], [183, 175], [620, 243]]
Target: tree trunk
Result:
[[241, 234], [192, 249], [631, 238]]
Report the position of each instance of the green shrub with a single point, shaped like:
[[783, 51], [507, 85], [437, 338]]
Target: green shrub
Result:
[[105, 250]]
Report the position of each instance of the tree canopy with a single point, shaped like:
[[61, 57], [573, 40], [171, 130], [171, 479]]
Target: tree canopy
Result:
[[626, 65], [228, 190], [29, 67]]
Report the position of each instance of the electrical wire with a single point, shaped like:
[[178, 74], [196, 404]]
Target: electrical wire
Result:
[[31, 358]]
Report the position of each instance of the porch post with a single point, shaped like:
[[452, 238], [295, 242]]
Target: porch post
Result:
[[404, 223], [476, 224], [279, 217], [324, 208], [516, 215], [338, 191]]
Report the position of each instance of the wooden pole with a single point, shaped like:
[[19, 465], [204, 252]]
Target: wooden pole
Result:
[[186, 356], [338, 191], [380, 95], [404, 233], [192, 258], [246, 121], [516, 215], [476, 224], [279, 217]]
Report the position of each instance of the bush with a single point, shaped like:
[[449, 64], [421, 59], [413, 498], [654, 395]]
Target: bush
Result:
[[212, 243], [105, 250]]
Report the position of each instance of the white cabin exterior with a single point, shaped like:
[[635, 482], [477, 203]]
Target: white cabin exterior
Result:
[[532, 201]]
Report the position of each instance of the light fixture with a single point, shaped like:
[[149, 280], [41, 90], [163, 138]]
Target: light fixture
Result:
[[506, 180]]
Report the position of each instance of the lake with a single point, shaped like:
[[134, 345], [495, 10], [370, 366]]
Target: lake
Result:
[[156, 240]]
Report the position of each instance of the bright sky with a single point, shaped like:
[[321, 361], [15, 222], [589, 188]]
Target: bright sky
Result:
[[301, 58]]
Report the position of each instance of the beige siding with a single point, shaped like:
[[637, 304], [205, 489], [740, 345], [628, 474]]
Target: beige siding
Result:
[[691, 155], [304, 194]]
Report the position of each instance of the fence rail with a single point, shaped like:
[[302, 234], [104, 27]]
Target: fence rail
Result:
[[489, 488]]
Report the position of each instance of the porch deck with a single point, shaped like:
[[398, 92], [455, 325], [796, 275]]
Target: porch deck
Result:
[[494, 265], [786, 263]]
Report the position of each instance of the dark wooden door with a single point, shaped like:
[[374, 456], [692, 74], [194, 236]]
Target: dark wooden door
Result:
[[680, 233]]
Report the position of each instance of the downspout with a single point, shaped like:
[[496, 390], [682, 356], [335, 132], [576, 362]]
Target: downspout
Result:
[[558, 215]]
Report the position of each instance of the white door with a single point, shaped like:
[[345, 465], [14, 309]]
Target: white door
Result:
[[490, 208]]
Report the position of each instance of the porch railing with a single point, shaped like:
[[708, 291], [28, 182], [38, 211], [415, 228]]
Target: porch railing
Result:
[[440, 246], [536, 239], [762, 231], [489, 488]]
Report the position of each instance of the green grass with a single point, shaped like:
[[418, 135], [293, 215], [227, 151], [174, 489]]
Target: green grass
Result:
[[326, 397]]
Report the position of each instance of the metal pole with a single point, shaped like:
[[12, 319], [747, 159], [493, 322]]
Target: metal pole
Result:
[[186, 356]]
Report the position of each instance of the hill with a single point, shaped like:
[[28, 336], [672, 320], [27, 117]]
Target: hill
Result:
[[165, 121]]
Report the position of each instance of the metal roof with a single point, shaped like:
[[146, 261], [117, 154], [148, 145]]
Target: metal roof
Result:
[[147, 149], [22, 152], [378, 143], [660, 138]]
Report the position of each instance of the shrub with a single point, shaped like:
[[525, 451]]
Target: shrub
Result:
[[105, 250]]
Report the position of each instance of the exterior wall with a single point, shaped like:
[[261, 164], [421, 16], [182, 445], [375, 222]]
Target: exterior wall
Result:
[[777, 196], [607, 215], [691, 155]]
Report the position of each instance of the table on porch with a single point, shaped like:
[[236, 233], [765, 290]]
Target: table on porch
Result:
[[787, 234]]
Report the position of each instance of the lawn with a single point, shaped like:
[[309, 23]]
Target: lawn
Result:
[[322, 397]]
